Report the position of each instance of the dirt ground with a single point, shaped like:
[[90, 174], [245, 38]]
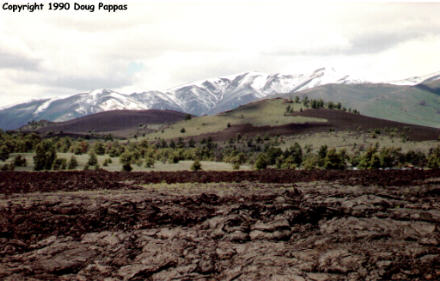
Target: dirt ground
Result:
[[271, 225]]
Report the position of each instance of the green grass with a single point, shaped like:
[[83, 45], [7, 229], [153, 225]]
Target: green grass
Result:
[[263, 113]]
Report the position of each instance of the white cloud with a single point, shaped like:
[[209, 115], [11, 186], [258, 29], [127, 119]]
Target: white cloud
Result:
[[161, 44]]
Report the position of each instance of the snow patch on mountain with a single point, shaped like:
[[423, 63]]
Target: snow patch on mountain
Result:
[[43, 106]]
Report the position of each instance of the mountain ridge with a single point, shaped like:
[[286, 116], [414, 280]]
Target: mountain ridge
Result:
[[209, 96]]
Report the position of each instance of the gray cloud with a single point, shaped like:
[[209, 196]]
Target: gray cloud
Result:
[[366, 42], [370, 43], [88, 83], [13, 61]]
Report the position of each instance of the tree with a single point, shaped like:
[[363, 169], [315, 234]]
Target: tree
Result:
[[93, 160], [261, 162], [149, 162], [45, 155], [236, 165], [172, 144], [191, 143], [331, 105], [296, 153], [434, 158], [19, 161], [311, 161], [59, 164], [322, 153], [4, 153], [196, 165], [334, 160], [99, 148], [125, 160], [182, 130], [73, 163]]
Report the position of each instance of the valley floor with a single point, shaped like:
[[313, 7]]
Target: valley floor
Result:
[[319, 225]]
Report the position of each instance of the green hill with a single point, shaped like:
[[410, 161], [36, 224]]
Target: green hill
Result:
[[418, 104]]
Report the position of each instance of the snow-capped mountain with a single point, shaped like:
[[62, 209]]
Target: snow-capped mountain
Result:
[[414, 80], [202, 97]]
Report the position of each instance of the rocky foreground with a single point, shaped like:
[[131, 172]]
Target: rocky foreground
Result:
[[227, 231]]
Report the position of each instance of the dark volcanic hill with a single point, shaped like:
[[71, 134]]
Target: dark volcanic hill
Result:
[[120, 123]]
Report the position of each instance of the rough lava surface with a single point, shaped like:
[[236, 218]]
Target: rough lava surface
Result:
[[337, 229]]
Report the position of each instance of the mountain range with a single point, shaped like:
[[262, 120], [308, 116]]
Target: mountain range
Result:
[[393, 100]]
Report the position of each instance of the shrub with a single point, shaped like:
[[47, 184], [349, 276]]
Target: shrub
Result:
[[196, 165]]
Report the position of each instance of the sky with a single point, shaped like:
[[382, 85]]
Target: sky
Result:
[[160, 44]]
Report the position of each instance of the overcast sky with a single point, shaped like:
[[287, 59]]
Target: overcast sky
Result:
[[161, 44]]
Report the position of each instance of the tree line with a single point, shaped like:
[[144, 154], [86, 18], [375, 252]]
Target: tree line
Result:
[[260, 152]]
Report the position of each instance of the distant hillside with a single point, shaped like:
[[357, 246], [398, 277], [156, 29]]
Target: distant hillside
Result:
[[269, 117], [419, 104], [119, 123]]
